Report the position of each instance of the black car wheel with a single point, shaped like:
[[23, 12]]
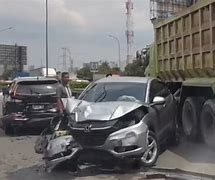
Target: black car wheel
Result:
[[150, 156]]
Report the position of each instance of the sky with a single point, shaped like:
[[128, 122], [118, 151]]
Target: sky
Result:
[[82, 26]]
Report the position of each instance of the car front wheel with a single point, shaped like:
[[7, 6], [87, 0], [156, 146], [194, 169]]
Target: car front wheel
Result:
[[150, 156]]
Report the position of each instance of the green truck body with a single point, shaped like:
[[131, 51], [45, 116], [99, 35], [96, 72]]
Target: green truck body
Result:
[[184, 46], [183, 55]]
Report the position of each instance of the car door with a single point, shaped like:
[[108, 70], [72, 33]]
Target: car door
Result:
[[165, 112]]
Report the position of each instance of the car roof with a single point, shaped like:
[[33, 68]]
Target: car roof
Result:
[[131, 79], [34, 78]]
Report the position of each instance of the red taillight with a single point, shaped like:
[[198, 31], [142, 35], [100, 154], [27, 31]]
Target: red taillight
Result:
[[14, 95], [17, 97]]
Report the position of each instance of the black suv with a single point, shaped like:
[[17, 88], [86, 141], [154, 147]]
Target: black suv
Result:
[[29, 102]]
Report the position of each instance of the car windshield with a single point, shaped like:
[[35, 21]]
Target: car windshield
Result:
[[104, 92], [36, 87]]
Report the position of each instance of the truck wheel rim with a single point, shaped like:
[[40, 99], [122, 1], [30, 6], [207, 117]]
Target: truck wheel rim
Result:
[[209, 128], [151, 152], [187, 125]]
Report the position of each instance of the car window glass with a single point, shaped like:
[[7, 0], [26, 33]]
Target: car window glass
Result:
[[36, 87], [158, 89], [93, 93]]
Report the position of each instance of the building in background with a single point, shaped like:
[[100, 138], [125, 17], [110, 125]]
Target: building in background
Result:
[[31, 67], [12, 57], [161, 9], [1, 69]]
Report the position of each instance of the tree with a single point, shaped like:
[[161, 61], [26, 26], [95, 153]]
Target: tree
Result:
[[85, 73], [104, 68], [115, 70], [134, 69]]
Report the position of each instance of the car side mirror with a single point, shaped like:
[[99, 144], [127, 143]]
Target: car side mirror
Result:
[[5, 91], [158, 100]]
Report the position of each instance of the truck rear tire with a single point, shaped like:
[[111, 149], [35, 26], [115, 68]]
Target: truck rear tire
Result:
[[207, 123], [191, 117]]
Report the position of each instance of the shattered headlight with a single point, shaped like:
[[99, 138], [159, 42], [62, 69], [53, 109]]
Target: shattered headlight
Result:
[[130, 119], [121, 124]]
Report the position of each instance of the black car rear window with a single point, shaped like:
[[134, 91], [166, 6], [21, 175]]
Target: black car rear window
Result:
[[36, 87]]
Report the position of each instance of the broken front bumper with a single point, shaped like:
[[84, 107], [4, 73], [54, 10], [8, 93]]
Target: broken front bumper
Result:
[[125, 143]]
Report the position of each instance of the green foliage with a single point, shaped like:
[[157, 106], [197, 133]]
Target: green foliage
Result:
[[3, 85], [115, 70], [85, 73], [104, 68], [134, 69], [78, 85]]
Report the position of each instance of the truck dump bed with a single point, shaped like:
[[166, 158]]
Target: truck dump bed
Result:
[[185, 44]]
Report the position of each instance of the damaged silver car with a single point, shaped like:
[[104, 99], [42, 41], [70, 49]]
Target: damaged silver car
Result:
[[115, 119]]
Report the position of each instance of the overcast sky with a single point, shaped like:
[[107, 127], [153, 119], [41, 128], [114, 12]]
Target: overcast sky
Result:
[[81, 25]]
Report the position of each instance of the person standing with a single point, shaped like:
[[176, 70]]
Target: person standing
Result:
[[63, 91]]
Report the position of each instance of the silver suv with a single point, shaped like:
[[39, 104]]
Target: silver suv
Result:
[[116, 119]]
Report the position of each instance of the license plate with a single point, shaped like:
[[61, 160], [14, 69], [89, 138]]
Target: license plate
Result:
[[37, 107]]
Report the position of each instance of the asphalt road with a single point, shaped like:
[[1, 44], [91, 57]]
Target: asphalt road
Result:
[[19, 162]]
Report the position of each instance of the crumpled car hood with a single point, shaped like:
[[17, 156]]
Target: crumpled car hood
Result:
[[100, 110]]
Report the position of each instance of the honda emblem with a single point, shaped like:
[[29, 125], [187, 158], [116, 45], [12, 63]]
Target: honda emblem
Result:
[[87, 128]]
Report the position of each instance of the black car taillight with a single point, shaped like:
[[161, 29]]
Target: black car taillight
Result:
[[14, 95]]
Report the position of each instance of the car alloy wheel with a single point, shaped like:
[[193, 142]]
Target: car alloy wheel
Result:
[[151, 154]]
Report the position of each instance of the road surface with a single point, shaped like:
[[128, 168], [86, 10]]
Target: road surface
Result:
[[19, 162]]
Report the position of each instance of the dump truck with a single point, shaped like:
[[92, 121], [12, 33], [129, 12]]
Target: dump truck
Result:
[[183, 55]]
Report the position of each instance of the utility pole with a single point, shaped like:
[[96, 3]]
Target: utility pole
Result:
[[119, 49], [129, 32], [47, 51], [71, 65], [64, 59]]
